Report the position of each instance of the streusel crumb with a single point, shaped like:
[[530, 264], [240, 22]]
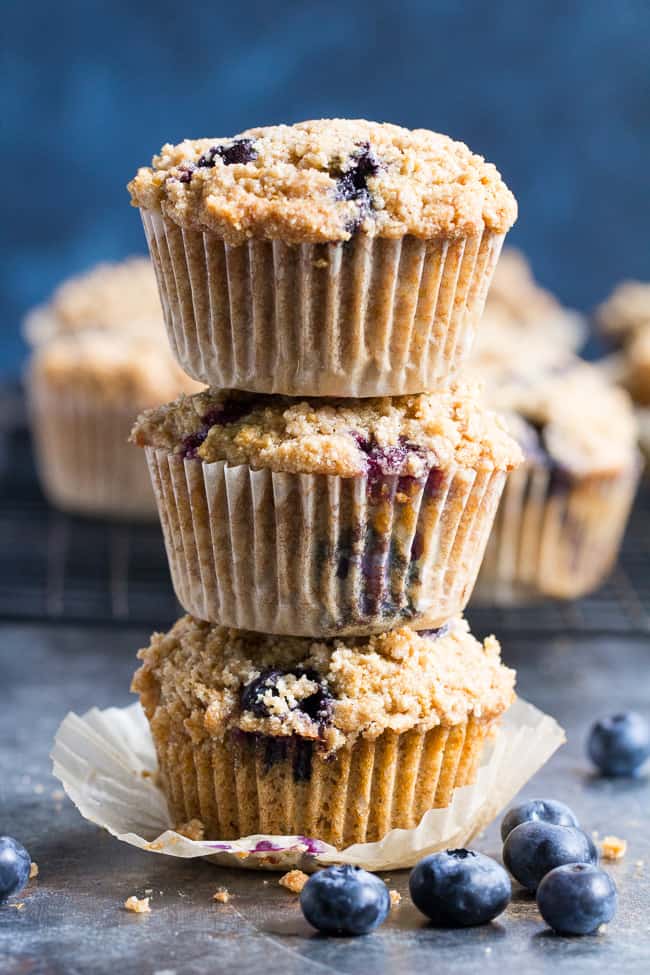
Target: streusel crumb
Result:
[[139, 905], [613, 848], [222, 896], [322, 180], [193, 830], [33, 870], [294, 881], [341, 437]]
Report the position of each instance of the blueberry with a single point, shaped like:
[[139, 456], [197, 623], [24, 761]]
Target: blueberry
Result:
[[318, 706], [345, 900], [240, 151], [577, 898], [459, 888], [352, 184], [534, 848], [538, 810], [15, 863], [620, 744]]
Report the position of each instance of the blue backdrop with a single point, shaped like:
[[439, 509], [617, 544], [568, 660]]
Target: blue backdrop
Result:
[[555, 92]]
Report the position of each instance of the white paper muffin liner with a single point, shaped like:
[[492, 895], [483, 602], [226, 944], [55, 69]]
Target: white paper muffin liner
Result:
[[106, 762], [554, 537], [318, 555], [370, 317], [84, 461]]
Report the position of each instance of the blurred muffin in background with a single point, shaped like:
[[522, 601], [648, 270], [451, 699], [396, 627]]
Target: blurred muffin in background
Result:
[[563, 513], [624, 319], [524, 321], [100, 357]]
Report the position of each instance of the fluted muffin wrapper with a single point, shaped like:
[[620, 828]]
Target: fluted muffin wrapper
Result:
[[84, 461], [370, 317], [106, 762], [555, 536], [319, 555]]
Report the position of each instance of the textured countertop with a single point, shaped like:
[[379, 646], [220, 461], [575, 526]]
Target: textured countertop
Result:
[[73, 920]]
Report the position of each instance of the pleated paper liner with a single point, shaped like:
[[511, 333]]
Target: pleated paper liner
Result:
[[309, 554], [84, 460], [247, 785], [106, 763], [370, 317], [554, 536]]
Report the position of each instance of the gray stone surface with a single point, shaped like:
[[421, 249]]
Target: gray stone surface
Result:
[[73, 922]]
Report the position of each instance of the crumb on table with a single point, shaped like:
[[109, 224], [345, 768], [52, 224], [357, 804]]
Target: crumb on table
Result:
[[222, 896], [294, 881], [395, 897], [139, 905], [613, 848], [33, 870]]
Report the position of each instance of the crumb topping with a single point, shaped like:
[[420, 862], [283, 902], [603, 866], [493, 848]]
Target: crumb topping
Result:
[[570, 412], [139, 905], [210, 680], [294, 881], [33, 870], [523, 321], [626, 310], [120, 297], [395, 898], [323, 180], [193, 829], [405, 435], [129, 369], [222, 896], [613, 848]]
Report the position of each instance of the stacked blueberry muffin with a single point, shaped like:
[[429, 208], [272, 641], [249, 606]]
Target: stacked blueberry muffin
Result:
[[327, 501]]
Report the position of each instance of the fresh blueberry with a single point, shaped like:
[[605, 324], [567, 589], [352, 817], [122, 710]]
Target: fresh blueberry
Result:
[[318, 706], [538, 810], [577, 898], [533, 849], [460, 888], [15, 863], [620, 744], [345, 900]]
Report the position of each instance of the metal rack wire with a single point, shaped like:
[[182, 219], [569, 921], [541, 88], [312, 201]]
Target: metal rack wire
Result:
[[60, 568]]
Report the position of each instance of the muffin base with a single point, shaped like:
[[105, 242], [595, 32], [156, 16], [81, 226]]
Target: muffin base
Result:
[[84, 461], [358, 795], [370, 317], [317, 555], [553, 537]]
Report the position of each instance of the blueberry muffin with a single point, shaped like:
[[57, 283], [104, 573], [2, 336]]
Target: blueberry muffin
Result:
[[523, 321], [329, 258], [84, 389], [319, 517], [119, 297], [339, 740], [563, 513]]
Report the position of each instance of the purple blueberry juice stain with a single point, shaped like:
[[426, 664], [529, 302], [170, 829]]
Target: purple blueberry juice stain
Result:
[[436, 633], [229, 411], [266, 846], [313, 846], [239, 152]]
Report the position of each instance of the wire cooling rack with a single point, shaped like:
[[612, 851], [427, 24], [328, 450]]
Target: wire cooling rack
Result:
[[58, 568]]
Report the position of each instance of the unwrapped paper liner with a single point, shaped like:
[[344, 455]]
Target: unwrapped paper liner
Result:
[[106, 763]]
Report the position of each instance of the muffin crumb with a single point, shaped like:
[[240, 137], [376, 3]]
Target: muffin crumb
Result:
[[294, 881], [395, 898], [33, 870], [222, 896], [139, 905], [613, 848], [192, 830]]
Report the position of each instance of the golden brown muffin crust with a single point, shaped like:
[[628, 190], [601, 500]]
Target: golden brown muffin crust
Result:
[[322, 180]]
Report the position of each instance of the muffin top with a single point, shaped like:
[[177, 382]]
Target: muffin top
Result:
[[569, 415], [626, 310], [323, 180], [522, 320], [212, 680], [118, 297], [125, 369], [405, 435]]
